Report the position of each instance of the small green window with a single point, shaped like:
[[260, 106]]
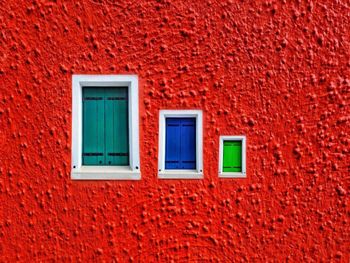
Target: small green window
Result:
[[232, 161], [105, 126]]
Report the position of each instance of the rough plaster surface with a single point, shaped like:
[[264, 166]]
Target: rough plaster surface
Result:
[[276, 71]]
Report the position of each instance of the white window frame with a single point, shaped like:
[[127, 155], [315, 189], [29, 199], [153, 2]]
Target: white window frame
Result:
[[180, 174], [89, 172], [242, 174]]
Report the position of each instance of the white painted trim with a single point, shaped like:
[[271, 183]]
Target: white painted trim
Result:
[[180, 174], [105, 173], [80, 172], [222, 174]]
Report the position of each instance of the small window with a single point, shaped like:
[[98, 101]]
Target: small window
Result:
[[232, 159], [180, 144], [105, 127]]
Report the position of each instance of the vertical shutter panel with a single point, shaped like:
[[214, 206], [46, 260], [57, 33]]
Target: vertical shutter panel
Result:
[[188, 143], [116, 115], [123, 127], [232, 156], [110, 122], [93, 126], [172, 144]]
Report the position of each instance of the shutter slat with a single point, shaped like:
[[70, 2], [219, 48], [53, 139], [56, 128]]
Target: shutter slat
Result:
[[111, 136], [101, 129]]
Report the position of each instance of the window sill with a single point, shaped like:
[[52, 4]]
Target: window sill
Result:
[[105, 173], [232, 175], [180, 174]]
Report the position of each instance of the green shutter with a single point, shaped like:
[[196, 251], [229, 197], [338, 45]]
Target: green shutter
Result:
[[116, 117], [232, 156], [93, 126], [105, 126]]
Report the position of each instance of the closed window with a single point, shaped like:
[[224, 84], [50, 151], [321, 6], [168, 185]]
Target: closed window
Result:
[[105, 127], [180, 144], [232, 156]]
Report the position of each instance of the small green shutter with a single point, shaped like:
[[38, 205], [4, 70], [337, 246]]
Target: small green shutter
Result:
[[232, 156], [105, 126]]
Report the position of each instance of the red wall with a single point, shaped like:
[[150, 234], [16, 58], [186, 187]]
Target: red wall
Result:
[[278, 72]]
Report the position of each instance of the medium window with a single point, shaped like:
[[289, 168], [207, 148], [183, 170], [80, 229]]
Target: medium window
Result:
[[232, 156], [180, 144], [105, 127]]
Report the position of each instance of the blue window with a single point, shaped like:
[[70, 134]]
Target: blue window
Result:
[[180, 145]]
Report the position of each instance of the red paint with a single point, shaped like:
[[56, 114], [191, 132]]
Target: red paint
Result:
[[277, 72]]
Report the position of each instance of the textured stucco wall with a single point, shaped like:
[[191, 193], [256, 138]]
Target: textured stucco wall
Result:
[[276, 71]]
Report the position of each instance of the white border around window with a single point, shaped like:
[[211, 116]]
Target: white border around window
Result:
[[180, 174], [85, 172], [242, 174]]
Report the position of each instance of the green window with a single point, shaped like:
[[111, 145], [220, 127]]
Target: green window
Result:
[[232, 156], [105, 126]]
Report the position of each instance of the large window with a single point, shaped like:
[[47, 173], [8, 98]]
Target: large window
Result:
[[105, 127], [180, 144]]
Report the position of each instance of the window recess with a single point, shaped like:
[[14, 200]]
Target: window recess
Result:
[[232, 156]]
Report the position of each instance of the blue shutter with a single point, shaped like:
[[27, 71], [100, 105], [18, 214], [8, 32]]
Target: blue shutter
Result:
[[180, 147], [188, 143], [172, 144]]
